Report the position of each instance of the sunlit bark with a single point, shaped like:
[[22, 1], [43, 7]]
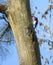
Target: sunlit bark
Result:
[[20, 22]]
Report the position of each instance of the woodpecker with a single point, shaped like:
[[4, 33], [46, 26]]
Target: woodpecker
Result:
[[35, 22]]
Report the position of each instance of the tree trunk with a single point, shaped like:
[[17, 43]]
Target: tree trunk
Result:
[[21, 24]]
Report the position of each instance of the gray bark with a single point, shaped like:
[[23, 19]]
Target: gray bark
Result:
[[21, 24]]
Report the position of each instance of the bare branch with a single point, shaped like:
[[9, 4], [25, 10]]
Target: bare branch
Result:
[[46, 11]]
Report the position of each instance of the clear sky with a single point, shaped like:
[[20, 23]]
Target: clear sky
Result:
[[44, 49]]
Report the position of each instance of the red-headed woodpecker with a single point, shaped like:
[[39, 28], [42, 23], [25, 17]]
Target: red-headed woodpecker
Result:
[[35, 22]]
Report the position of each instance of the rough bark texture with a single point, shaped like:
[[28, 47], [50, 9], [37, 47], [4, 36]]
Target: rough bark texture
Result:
[[20, 21]]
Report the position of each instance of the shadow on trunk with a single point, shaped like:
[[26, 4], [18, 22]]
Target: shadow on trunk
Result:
[[36, 48], [34, 37]]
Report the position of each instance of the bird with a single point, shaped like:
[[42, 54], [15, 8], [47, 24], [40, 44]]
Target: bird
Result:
[[35, 22]]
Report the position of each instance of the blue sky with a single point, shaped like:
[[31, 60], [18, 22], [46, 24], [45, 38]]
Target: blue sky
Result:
[[12, 57], [44, 48]]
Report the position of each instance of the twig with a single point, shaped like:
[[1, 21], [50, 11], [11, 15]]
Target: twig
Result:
[[6, 40]]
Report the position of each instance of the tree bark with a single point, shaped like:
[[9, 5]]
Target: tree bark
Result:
[[21, 24]]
